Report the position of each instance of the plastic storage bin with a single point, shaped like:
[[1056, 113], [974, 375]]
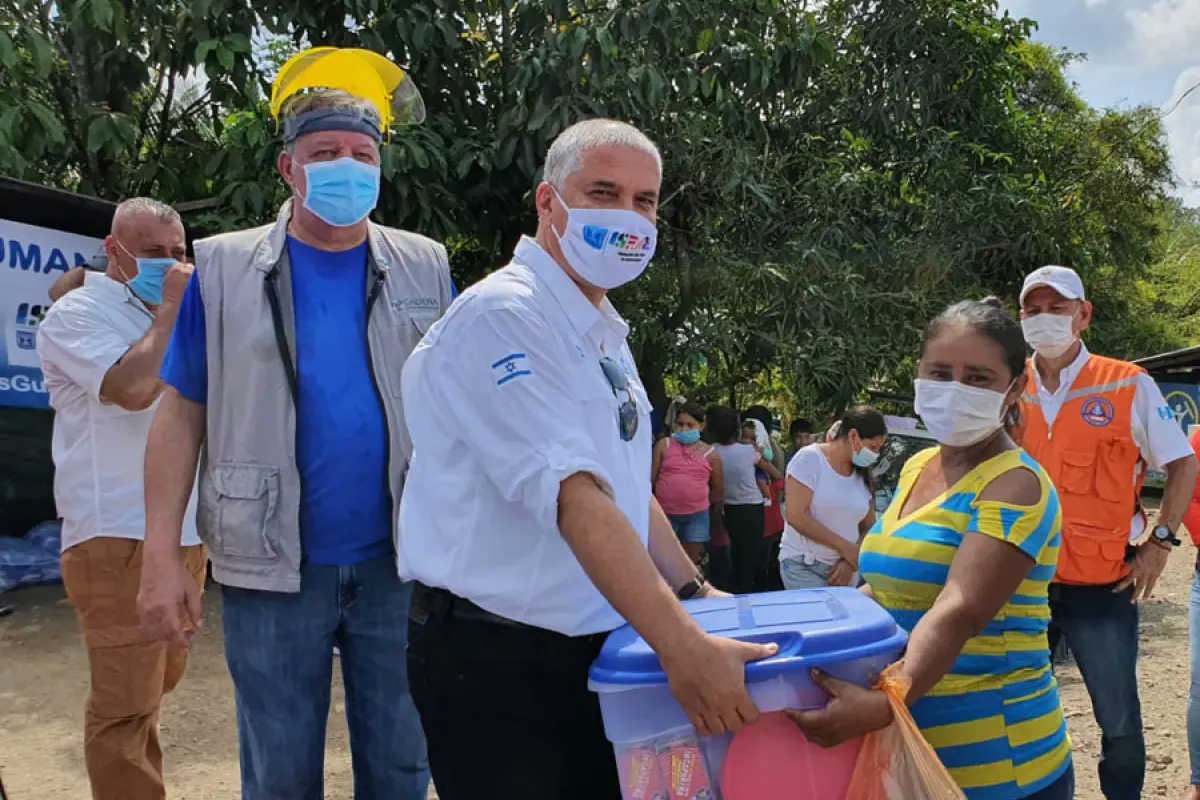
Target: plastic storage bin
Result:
[[659, 756]]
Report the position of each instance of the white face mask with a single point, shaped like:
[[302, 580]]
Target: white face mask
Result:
[[607, 247], [958, 415], [1050, 335]]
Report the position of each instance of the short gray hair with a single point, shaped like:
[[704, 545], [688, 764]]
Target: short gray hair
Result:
[[138, 206], [566, 153], [327, 99]]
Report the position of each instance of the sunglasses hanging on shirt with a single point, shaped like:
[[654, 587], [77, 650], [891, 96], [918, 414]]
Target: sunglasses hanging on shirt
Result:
[[627, 414]]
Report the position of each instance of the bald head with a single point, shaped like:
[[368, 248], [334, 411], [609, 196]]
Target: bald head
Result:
[[143, 228]]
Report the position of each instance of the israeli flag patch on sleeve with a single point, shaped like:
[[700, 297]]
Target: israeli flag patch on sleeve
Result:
[[510, 368]]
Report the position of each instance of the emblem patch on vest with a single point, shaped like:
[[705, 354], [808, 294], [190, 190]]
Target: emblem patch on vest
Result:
[[1098, 412]]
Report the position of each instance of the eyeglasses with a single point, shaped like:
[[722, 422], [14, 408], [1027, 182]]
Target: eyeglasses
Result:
[[627, 414]]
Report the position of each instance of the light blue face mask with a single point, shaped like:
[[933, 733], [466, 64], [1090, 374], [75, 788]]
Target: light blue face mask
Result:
[[148, 283], [687, 437], [341, 192], [865, 458]]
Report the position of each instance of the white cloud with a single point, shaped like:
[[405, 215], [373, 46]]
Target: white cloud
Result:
[[1094, 3], [1183, 134], [1167, 29]]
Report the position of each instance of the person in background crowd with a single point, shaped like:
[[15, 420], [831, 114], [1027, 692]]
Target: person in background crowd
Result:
[[1095, 424], [770, 447], [1191, 521], [769, 579], [800, 435], [548, 536], [766, 577], [101, 346], [285, 367], [718, 557], [963, 559], [687, 479], [742, 514], [830, 505], [754, 435]]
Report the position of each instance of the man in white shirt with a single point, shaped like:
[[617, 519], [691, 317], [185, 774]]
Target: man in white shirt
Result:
[[1096, 424], [527, 516], [101, 346]]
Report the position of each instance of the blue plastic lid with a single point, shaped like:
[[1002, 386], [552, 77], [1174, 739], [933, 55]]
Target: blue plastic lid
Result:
[[813, 627]]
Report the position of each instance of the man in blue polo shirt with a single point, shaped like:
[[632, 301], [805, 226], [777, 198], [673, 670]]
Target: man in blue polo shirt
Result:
[[285, 367]]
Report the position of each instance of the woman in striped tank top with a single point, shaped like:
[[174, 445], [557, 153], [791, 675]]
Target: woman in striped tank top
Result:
[[686, 475], [963, 560]]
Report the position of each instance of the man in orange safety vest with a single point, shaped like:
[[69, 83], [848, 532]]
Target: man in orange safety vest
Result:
[[1097, 424]]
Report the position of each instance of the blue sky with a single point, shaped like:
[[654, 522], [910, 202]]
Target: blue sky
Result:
[[1139, 52]]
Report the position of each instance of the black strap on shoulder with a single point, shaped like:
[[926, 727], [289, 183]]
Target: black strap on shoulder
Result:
[[281, 342]]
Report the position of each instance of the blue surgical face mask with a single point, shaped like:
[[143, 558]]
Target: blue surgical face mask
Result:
[[148, 283], [341, 192], [687, 437], [865, 458]]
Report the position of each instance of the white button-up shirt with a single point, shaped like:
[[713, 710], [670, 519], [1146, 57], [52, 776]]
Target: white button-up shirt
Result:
[[1157, 434], [99, 448], [504, 399]]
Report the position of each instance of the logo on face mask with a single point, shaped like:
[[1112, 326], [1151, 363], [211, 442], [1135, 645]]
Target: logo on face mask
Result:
[[630, 246], [1098, 412], [594, 236]]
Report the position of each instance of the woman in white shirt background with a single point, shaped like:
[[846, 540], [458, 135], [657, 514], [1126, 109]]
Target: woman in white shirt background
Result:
[[829, 503]]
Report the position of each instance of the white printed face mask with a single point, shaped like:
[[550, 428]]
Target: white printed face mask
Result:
[[607, 247], [958, 415], [1050, 335]]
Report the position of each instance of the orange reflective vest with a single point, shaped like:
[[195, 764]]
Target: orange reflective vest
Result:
[[1095, 464]]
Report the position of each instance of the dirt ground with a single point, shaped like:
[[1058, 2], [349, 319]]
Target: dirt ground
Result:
[[43, 682]]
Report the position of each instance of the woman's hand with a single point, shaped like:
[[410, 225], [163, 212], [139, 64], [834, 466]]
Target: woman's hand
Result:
[[841, 575], [852, 712], [849, 553]]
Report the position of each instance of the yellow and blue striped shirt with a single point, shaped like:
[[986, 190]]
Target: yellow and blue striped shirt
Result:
[[995, 718]]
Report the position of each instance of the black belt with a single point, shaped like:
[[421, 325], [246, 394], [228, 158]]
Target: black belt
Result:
[[429, 602]]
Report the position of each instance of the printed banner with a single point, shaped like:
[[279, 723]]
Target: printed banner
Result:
[[1184, 400], [31, 260]]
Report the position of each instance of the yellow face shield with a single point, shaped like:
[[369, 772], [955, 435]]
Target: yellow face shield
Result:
[[361, 73]]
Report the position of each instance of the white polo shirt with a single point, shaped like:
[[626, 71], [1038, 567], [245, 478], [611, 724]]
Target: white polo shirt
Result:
[[99, 448], [504, 399]]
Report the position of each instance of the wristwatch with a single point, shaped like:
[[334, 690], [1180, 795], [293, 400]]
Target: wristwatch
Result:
[[691, 588], [1163, 537]]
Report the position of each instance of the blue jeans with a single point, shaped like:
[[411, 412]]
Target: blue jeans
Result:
[[1193, 709], [279, 648], [1101, 629]]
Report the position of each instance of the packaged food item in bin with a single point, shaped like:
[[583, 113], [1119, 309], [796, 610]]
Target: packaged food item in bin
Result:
[[641, 778], [684, 769]]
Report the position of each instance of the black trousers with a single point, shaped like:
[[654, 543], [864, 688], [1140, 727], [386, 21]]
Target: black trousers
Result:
[[506, 710], [746, 525]]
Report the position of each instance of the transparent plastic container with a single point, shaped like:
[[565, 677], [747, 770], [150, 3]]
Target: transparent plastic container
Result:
[[659, 755]]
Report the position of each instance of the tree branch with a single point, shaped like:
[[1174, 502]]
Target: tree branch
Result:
[[149, 108]]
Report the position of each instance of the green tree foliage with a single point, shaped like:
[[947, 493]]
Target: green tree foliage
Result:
[[834, 172]]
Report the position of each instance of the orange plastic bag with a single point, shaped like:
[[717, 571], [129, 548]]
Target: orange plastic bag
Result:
[[896, 763]]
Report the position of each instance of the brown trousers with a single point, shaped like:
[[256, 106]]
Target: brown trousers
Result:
[[130, 671]]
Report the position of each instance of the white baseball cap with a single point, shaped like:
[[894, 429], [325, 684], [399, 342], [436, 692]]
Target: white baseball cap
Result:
[[1063, 280]]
